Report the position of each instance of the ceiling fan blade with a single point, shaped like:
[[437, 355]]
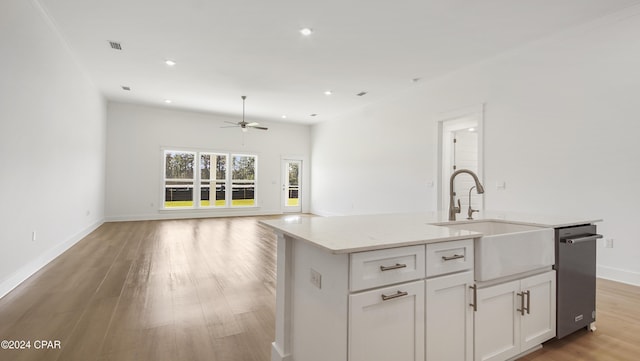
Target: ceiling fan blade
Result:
[[256, 127], [252, 124]]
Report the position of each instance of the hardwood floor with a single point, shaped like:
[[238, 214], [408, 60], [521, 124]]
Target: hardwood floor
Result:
[[157, 290], [205, 290], [618, 329]]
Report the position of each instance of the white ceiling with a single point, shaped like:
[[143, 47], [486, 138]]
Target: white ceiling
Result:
[[225, 49]]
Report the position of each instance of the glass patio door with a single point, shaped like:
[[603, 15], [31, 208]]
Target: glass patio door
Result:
[[291, 185]]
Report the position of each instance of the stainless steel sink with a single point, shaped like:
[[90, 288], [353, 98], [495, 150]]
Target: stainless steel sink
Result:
[[507, 248]]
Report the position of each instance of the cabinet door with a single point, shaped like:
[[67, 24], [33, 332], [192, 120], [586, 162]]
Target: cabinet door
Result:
[[449, 327], [497, 323], [539, 322], [387, 324]]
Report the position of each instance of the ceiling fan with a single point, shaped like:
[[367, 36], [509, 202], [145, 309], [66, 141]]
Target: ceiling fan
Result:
[[243, 124]]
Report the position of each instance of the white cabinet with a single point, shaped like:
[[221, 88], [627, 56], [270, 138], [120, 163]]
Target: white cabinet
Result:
[[539, 322], [449, 257], [496, 324], [515, 316], [387, 323], [449, 326], [385, 267]]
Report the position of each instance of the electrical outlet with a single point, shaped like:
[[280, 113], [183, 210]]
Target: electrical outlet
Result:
[[316, 278], [608, 243]]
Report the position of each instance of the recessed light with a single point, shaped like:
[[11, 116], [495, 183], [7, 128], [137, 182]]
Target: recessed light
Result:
[[472, 129], [124, 87], [328, 92], [313, 115], [170, 62], [415, 80], [361, 94], [284, 116], [306, 31], [168, 101]]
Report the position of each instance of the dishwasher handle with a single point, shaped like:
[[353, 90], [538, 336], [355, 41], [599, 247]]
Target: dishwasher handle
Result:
[[591, 237]]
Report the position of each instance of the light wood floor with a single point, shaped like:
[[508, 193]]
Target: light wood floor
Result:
[[205, 290]]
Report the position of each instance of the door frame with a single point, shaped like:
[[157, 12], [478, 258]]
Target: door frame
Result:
[[301, 189], [447, 123]]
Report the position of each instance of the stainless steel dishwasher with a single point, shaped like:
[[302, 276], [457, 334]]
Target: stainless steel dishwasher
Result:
[[576, 278]]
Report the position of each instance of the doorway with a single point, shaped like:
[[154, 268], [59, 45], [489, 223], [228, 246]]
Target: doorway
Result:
[[292, 185], [460, 147]]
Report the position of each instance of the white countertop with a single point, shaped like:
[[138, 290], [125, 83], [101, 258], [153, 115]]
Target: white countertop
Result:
[[346, 234]]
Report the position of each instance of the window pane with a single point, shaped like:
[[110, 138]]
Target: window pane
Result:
[[212, 190], [221, 180], [179, 179], [243, 181], [205, 182], [293, 185]]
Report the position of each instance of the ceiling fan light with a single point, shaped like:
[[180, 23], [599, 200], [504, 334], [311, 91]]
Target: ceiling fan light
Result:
[[245, 129]]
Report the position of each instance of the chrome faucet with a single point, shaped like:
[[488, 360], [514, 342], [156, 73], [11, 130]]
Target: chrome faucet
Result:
[[452, 208]]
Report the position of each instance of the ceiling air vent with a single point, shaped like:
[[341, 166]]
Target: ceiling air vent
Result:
[[124, 87], [115, 45], [361, 94]]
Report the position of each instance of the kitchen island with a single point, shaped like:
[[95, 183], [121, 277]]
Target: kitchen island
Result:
[[380, 287]]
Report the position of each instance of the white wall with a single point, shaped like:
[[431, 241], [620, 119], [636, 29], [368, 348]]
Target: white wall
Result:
[[52, 142], [561, 128], [137, 135]]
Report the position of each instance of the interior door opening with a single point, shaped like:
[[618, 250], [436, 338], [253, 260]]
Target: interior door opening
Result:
[[460, 140]]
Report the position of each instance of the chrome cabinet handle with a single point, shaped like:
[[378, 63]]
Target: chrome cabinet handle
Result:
[[395, 295], [475, 298], [522, 308], [389, 268], [451, 258]]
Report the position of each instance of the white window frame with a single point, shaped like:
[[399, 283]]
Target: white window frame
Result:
[[226, 181], [197, 181], [195, 187], [255, 178]]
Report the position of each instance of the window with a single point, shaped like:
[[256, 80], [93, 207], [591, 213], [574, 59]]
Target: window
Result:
[[224, 180], [213, 179], [243, 180], [178, 179]]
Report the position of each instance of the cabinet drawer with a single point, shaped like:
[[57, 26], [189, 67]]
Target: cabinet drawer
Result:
[[387, 324], [449, 257], [386, 267]]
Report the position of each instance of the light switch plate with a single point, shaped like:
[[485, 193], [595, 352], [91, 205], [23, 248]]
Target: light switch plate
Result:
[[316, 278]]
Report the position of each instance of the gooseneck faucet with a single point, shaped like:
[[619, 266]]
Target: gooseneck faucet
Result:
[[452, 208]]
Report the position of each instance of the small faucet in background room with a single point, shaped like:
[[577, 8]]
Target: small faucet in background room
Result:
[[452, 208]]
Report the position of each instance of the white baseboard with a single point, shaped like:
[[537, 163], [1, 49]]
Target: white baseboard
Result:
[[36, 264], [618, 275], [320, 212], [276, 354], [171, 214]]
